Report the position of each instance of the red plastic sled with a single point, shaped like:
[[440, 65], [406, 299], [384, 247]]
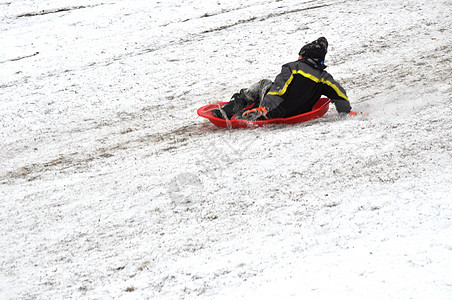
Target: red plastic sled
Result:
[[318, 110]]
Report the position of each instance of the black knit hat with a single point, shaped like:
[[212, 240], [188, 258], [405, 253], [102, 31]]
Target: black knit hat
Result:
[[315, 50]]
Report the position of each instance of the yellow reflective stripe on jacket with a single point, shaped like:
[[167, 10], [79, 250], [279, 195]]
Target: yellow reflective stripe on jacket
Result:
[[313, 78], [335, 88]]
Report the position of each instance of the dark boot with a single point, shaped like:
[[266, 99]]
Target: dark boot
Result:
[[235, 105]]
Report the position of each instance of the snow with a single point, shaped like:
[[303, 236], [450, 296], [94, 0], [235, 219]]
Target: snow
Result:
[[112, 187]]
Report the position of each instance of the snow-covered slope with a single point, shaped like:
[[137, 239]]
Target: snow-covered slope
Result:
[[112, 187]]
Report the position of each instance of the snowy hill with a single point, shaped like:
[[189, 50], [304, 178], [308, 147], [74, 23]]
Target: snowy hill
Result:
[[112, 187]]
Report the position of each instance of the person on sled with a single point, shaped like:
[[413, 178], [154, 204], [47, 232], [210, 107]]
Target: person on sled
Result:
[[295, 90]]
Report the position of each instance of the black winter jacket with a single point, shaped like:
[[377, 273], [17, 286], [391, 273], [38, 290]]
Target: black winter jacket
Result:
[[298, 87]]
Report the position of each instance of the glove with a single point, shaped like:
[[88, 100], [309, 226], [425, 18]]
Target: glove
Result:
[[356, 113], [255, 113]]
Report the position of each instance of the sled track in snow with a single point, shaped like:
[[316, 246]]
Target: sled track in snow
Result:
[[269, 16], [78, 162], [52, 11]]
